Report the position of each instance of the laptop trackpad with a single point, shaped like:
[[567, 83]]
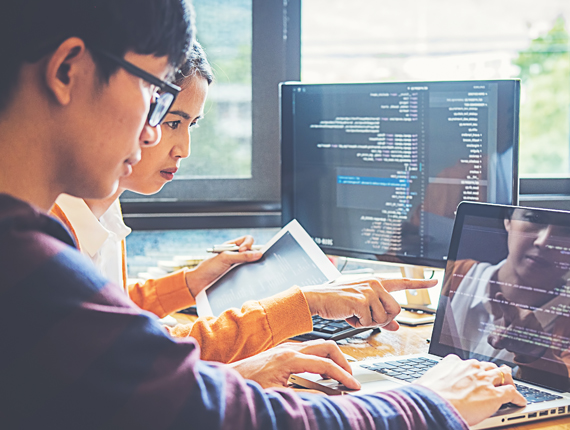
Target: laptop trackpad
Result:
[[372, 382]]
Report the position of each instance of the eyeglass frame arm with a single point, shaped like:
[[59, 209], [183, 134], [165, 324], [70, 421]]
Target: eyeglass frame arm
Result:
[[137, 71]]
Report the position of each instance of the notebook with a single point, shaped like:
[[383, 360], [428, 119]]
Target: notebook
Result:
[[506, 299]]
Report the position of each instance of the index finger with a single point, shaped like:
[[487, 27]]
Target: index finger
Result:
[[324, 366], [244, 242], [389, 284], [398, 284], [327, 349]]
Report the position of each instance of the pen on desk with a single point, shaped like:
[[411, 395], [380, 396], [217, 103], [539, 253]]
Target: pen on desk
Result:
[[216, 249]]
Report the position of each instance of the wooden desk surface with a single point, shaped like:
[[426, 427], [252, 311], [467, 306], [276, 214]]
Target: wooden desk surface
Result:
[[407, 340]]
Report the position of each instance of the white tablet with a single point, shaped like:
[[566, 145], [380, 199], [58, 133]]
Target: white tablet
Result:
[[290, 258]]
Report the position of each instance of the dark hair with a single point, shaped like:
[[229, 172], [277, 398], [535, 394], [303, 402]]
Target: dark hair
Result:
[[195, 64], [508, 212], [31, 29]]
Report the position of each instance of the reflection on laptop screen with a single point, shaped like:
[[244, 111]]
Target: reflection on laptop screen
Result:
[[506, 292]]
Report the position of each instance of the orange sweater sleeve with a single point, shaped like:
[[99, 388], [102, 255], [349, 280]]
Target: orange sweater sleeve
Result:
[[162, 296], [257, 326], [234, 335]]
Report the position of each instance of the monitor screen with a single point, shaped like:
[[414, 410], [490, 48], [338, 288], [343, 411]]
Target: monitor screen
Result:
[[377, 170]]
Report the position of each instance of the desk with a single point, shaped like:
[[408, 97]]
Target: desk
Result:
[[407, 340]]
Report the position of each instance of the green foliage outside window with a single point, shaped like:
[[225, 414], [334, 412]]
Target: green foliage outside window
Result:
[[545, 107], [221, 144]]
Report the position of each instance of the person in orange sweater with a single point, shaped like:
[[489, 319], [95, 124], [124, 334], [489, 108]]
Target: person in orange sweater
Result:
[[238, 333]]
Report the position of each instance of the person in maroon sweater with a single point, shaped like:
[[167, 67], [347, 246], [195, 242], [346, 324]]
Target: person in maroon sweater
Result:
[[77, 80]]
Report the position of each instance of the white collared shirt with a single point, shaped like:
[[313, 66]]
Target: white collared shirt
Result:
[[471, 311], [99, 239]]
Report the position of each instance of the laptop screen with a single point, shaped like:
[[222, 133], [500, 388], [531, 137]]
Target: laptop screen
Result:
[[506, 292]]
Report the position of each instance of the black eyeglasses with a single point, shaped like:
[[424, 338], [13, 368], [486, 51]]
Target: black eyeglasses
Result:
[[168, 92]]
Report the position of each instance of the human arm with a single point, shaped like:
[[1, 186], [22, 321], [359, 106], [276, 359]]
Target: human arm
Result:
[[258, 325], [96, 361], [272, 368], [365, 302], [210, 269], [115, 368], [173, 292], [476, 389]]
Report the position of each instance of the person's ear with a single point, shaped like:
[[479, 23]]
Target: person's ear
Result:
[[507, 225], [63, 69]]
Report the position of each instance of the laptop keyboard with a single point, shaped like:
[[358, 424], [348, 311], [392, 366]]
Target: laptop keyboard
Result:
[[330, 330], [407, 370], [413, 368], [532, 395]]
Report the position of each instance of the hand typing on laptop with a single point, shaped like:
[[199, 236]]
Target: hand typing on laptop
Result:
[[365, 302], [476, 389]]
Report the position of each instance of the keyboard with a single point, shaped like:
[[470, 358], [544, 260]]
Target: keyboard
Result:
[[406, 370], [330, 330], [322, 328], [413, 368], [189, 311]]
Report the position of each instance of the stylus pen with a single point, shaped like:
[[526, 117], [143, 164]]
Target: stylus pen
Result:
[[216, 249]]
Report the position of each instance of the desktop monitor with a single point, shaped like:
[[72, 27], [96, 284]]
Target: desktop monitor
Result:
[[376, 170]]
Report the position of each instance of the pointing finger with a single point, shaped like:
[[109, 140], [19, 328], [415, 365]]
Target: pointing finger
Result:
[[398, 284]]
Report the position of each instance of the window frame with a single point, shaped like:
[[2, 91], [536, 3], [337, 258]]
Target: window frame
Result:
[[545, 192]]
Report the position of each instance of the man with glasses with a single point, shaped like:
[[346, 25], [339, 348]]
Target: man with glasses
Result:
[[72, 119]]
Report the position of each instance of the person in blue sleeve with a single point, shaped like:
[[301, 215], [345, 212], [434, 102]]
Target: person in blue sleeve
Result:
[[78, 99]]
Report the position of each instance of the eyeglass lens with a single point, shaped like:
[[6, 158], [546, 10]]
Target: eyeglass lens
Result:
[[159, 109]]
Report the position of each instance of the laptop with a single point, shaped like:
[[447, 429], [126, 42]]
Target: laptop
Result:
[[505, 298]]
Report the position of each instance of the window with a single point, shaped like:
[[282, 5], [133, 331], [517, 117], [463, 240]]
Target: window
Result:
[[368, 40], [232, 178]]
